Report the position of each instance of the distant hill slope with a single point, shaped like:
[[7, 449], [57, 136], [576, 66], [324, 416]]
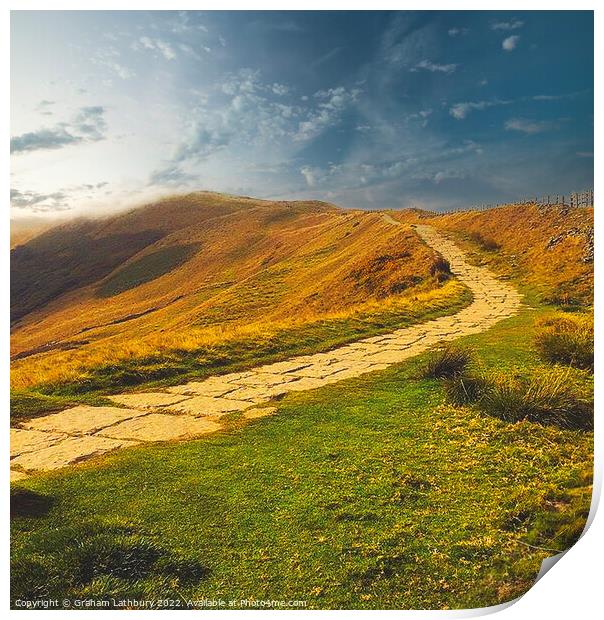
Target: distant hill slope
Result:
[[549, 247], [206, 260], [24, 228], [80, 252]]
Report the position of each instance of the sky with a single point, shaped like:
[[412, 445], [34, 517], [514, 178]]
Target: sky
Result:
[[371, 110]]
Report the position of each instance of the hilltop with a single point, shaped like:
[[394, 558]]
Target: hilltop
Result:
[[190, 275], [209, 265]]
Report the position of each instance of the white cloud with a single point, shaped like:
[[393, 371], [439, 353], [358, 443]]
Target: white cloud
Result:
[[158, 45], [443, 175], [310, 175], [461, 110], [421, 116], [457, 32], [510, 43], [434, 67], [280, 89], [332, 104], [108, 58], [527, 126], [513, 24]]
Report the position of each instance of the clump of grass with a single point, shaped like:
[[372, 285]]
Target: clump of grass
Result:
[[486, 243], [446, 363], [440, 269], [466, 387], [567, 339], [551, 396]]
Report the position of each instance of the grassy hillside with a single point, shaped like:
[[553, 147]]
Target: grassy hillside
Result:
[[22, 229], [405, 488], [549, 248], [192, 274], [375, 492]]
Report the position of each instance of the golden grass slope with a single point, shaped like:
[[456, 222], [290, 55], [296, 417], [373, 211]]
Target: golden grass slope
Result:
[[255, 265], [549, 248]]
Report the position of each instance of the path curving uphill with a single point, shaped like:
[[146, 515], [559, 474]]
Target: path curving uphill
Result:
[[194, 409]]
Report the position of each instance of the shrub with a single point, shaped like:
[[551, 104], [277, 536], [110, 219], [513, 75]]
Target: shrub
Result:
[[466, 388], [549, 397], [567, 339], [486, 243], [440, 269], [446, 363]]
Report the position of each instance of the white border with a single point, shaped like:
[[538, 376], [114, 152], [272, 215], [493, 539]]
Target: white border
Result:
[[573, 587]]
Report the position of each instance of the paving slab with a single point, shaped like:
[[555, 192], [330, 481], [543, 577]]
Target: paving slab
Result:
[[17, 475], [207, 406], [82, 419], [69, 451], [146, 400], [160, 427], [25, 440], [262, 378]]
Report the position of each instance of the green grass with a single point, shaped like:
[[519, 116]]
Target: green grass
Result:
[[371, 493], [179, 366], [146, 268]]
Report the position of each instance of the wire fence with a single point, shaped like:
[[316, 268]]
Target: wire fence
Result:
[[574, 199]]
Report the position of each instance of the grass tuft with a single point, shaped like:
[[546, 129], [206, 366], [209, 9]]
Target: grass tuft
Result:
[[567, 339], [486, 243], [550, 396], [446, 363], [466, 388]]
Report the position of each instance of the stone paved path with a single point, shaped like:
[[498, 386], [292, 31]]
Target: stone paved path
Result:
[[195, 408]]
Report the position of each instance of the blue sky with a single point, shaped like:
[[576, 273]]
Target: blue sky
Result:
[[365, 109]]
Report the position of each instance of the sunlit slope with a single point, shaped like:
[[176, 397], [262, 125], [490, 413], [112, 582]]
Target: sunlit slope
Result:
[[209, 261], [549, 248]]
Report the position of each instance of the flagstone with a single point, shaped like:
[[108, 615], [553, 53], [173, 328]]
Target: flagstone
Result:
[[161, 427], [145, 400], [68, 451], [25, 440], [207, 406], [82, 419]]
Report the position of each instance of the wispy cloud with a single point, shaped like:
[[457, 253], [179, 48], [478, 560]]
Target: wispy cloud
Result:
[[88, 125], [157, 45], [527, 126], [513, 24], [326, 57], [110, 58], [462, 109], [457, 32], [510, 43], [427, 65], [44, 106], [38, 202]]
